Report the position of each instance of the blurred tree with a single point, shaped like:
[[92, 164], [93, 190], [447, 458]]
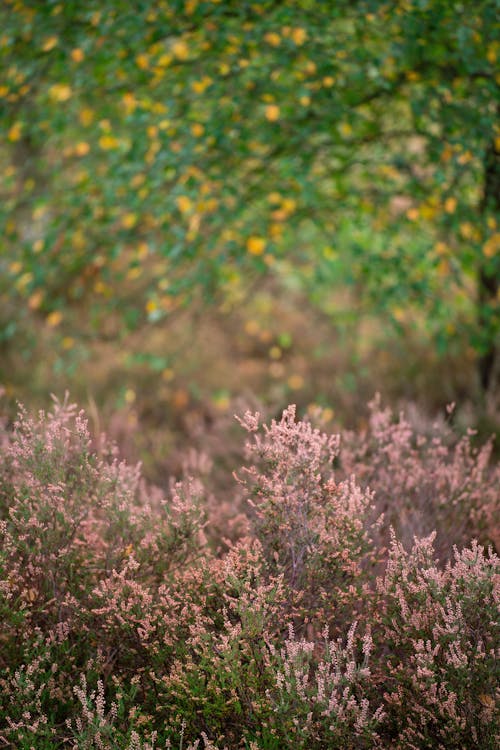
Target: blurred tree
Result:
[[154, 148]]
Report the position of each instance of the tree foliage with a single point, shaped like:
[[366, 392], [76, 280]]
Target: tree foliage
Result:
[[155, 148]]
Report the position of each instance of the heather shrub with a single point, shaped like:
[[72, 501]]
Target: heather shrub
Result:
[[314, 531], [426, 478], [128, 621], [321, 694], [439, 633]]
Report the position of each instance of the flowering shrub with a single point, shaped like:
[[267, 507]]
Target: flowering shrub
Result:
[[128, 621]]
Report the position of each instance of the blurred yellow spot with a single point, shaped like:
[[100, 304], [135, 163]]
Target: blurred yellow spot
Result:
[[168, 374], [35, 300], [82, 148], [143, 250], [60, 92], [467, 230], [274, 198], [15, 267], [86, 116], [275, 352], [328, 81], [465, 158], [68, 343], [251, 327], [443, 268], [305, 100], [295, 382], [164, 60], [272, 112], [129, 220], [151, 306], [273, 39], [256, 245], [345, 129], [180, 50], [222, 402], [14, 133], [108, 142], [329, 253], [197, 129], [24, 280], [412, 214], [200, 86], [54, 318], [142, 61], [134, 273], [450, 205], [298, 35], [441, 248], [492, 246], [184, 203], [49, 43], [130, 396], [77, 55]]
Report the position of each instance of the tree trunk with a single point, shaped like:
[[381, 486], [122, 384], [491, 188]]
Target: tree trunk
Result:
[[488, 281]]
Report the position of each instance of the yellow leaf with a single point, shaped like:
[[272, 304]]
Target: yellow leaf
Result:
[[274, 198], [180, 50], [273, 39], [412, 214], [49, 43], [60, 92], [35, 300], [86, 116], [298, 35], [345, 129], [129, 102], [164, 61], [441, 248], [272, 112], [130, 396], [492, 246], [77, 55], [134, 273], [256, 245], [184, 203], [129, 220], [450, 205], [108, 142], [200, 86], [14, 133], [54, 318], [142, 61], [82, 148], [197, 129]]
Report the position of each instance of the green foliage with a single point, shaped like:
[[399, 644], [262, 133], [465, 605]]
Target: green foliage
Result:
[[152, 148]]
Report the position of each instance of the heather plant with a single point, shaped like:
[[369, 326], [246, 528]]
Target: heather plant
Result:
[[426, 478], [324, 700], [128, 622], [439, 631], [314, 531]]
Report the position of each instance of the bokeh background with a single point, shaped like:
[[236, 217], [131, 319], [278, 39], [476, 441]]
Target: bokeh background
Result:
[[209, 204]]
